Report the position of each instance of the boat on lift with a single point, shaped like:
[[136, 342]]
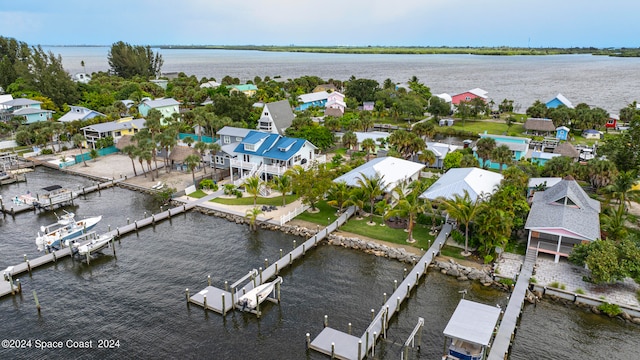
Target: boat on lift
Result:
[[96, 243], [66, 228], [257, 295]]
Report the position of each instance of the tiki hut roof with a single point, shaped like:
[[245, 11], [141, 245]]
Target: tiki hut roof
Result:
[[333, 112], [179, 153], [566, 149], [539, 125], [124, 141]]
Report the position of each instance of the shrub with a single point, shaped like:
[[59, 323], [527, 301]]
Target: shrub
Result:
[[457, 236], [610, 309], [506, 281], [554, 284], [488, 259], [579, 291], [208, 184], [533, 280], [65, 148], [46, 152], [563, 287]]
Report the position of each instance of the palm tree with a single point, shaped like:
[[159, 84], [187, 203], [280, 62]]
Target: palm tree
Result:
[[356, 198], [130, 150], [621, 189], [427, 157], [338, 194], [464, 210], [213, 149], [368, 145], [372, 186], [252, 215], [168, 139], [78, 139], [484, 147], [202, 147], [502, 155], [192, 162], [424, 129], [139, 154], [601, 172], [252, 187], [349, 140], [613, 220], [409, 206], [284, 185]]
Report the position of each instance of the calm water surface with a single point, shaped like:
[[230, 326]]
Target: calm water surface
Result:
[[607, 82], [138, 297]]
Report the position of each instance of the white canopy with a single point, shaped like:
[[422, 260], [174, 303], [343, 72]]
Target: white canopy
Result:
[[473, 322]]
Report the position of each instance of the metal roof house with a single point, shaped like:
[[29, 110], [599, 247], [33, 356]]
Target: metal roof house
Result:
[[229, 138], [477, 182], [79, 113], [114, 129], [392, 170], [557, 101], [276, 117], [167, 107], [470, 330], [268, 155], [518, 146], [317, 99], [561, 217]]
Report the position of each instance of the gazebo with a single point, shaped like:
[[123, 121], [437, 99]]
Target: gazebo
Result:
[[566, 149], [179, 154]]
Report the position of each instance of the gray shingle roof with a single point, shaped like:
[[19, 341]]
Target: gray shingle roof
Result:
[[281, 114], [565, 208]]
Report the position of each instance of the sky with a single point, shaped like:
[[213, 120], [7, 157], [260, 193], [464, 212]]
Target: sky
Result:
[[516, 23]]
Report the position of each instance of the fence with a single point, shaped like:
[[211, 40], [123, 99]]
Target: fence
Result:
[[101, 152], [297, 211]]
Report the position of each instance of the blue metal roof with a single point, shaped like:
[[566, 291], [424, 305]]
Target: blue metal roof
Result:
[[254, 137], [271, 145]]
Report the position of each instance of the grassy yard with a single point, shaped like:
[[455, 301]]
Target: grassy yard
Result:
[[496, 128], [275, 201], [385, 233], [326, 215], [197, 194]]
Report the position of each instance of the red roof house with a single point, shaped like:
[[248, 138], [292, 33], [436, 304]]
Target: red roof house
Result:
[[469, 95]]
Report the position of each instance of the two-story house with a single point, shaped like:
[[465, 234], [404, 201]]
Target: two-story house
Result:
[[268, 155], [276, 117], [79, 113], [114, 129], [167, 107], [229, 138], [27, 109]]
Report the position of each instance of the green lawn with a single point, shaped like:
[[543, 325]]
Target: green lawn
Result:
[[320, 218], [385, 233], [275, 201], [197, 194], [496, 128], [452, 251]]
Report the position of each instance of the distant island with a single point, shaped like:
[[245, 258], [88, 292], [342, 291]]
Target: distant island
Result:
[[419, 50]]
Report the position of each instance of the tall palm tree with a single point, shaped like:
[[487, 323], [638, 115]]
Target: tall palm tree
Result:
[[213, 149], [372, 186], [78, 139], [424, 129], [409, 206], [284, 185], [252, 214], [368, 145], [502, 155], [484, 147], [356, 198], [167, 140], [192, 161], [202, 147], [252, 187], [621, 189], [464, 210], [613, 220], [130, 150], [427, 157], [349, 140]]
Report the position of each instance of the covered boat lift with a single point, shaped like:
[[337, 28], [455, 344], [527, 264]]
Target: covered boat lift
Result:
[[470, 331]]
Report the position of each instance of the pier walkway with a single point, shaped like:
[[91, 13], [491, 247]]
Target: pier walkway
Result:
[[341, 345], [508, 325], [222, 301]]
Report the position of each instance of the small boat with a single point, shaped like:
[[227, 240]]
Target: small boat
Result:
[[257, 295], [65, 228], [96, 244], [55, 194]]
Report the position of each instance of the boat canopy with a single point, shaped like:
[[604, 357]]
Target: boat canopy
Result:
[[473, 322], [52, 187]]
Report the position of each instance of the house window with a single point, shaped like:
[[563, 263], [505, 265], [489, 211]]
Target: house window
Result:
[[226, 139], [297, 158], [219, 160], [118, 133], [246, 157], [468, 98], [238, 138], [250, 147]]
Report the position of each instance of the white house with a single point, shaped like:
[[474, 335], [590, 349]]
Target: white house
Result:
[[276, 117], [393, 171], [477, 182], [167, 107], [79, 113]]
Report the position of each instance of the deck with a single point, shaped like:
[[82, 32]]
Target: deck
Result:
[[345, 346]]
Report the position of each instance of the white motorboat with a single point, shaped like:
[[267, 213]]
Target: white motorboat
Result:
[[257, 295], [65, 228], [55, 195], [97, 243]]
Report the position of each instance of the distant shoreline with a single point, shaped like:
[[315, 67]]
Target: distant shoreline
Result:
[[406, 50]]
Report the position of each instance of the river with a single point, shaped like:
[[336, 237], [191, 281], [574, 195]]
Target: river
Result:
[[138, 297], [606, 82]]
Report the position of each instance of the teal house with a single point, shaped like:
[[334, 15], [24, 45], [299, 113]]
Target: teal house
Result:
[[518, 146], [562, 132]]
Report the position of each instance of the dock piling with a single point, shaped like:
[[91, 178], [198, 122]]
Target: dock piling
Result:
[[266, 263], [226, 286], [209, 280], [224, 306], [19, 285], [404, 273], [333, 350], [395, 285], [349, 329], [326, 321], [260, 272], [373, 314], [205, 303], [385, 298], [308, 340], [29, 266], [35, 297], [186, 291]]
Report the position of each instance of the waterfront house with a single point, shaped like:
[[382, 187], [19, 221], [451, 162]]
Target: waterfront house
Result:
[[562, 216], [267, 155], [212, 84], [539, 157], [276, 117], [518, 146], [469, 95], [562, 132], [592, 134], [612, 122], [470, 330], [32, 115], [540, 184], [557, 101], [247, 89], [79, 113], [83, 78], [167, 107], [393, 171], [440, 150], [539, 127], [314, 99], [114, 129], [160, 82], [325, 87], [28, 109], [228, 138], [475, 181]]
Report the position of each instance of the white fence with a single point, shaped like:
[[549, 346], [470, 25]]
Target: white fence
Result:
[[297, 211]]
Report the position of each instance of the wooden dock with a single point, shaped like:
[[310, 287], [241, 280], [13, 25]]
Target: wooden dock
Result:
[[221, 301], [14, 208], [342, 345], [503, 340]]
